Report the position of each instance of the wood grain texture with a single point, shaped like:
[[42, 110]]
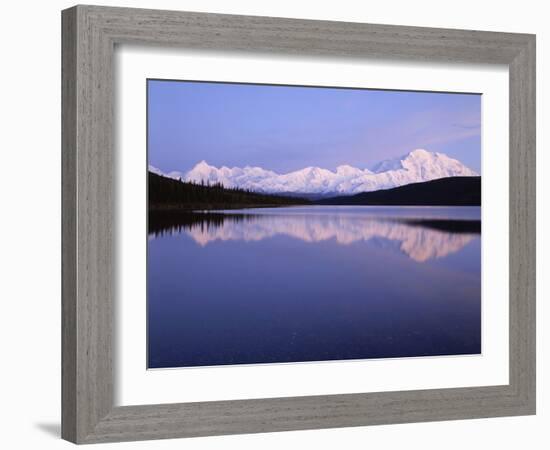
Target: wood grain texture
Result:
[[89, 36], [523, 223], [68, 226]]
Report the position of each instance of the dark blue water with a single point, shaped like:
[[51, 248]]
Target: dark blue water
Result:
[[313, 284]]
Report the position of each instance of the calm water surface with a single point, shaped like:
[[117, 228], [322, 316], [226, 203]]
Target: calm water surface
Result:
[[313, 283]]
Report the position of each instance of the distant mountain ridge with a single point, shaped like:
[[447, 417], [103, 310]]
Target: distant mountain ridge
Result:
[[452, 191], [417, 166]]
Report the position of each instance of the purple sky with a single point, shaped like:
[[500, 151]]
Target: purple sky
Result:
[[285, 128]]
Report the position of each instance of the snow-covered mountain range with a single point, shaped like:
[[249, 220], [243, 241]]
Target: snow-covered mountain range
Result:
[[417, 166]]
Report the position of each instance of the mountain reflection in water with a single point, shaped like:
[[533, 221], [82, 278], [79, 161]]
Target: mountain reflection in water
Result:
[[420, 233], [314, 283]]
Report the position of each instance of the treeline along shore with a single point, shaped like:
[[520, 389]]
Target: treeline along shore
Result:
[[167, 194]]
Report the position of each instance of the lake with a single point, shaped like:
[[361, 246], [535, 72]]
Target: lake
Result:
[[313, 283]]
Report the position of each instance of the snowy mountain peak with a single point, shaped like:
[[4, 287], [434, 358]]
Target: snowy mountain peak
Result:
[[417, 166], [203, 165], [420, 153], [203, 172], [347, 170], [426, 165], [155, 170]]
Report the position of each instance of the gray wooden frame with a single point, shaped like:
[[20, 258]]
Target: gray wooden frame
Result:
[[89, 36]]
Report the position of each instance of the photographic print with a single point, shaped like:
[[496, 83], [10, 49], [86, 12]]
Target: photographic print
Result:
[[292, 224]]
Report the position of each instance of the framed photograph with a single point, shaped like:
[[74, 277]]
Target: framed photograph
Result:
[[278, 224]]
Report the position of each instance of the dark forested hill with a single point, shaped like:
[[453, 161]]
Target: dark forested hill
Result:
[[169, 194], [452, 191]]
